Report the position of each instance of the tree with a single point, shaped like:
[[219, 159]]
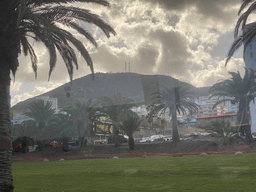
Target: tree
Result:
[[224, 130], [80, 116], [130, 123], [175, 99], [248, 35], [59, 127], [40, 111], [239, 90], [26, 128], [41, 20], [113, 107]]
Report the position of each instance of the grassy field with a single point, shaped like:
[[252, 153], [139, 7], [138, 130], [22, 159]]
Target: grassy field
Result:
[[226, 172]]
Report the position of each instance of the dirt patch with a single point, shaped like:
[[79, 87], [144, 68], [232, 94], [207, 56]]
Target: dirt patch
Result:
[[156, 149]]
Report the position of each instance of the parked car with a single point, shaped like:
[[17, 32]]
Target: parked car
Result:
[[122, 139]]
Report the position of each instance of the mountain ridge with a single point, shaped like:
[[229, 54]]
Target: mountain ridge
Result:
[[132, 85]]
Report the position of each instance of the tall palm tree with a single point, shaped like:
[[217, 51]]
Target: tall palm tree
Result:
[[39, 20], [113, 107], [175, 99], [80, 115], [40, 111], [130, 123], [26, 128], [59, 127], [247, 35], [239, 90]]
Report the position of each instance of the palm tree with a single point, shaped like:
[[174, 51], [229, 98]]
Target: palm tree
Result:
[[239, 90], [24, 20], [59, 127], [40, 111], [175, 99], [130, 123], [113, 107], [224, 130], [26, 128], [80, 116], [247, 35]]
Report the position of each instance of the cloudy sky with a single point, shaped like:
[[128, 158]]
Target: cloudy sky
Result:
[[186, 39]]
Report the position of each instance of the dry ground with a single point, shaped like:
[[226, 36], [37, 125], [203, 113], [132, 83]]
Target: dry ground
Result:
[[156, 148]]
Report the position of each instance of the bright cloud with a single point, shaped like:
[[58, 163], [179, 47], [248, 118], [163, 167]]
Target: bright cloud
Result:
[[183, 39]]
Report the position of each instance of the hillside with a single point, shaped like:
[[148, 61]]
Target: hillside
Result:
[[132, 85]]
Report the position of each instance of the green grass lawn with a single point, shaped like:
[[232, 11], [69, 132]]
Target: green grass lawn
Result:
[[218, 173]]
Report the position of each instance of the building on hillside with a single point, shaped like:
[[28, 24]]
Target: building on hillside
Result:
[[141, 110], [250, 62], [206, 120], [208, 110], [206, 103], [232, 107], [206, 100], [18, 117], [54, 101]]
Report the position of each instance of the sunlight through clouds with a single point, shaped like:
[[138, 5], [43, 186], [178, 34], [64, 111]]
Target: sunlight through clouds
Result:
[[177, 38]]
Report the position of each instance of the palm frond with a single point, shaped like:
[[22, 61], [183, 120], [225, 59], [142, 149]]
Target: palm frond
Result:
[[236, 44], [244, 4], [36, 3]]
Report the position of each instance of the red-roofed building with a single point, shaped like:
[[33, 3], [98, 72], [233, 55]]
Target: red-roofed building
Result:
[[205, 120], [207, 110]]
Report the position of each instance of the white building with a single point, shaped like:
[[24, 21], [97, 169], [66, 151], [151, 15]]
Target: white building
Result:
[[206, 103], [141, 110], [54, 101], [250, 62], [18, 119]]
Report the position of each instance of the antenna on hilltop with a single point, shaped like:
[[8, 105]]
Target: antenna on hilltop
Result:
[[129, 67], [125, 67]]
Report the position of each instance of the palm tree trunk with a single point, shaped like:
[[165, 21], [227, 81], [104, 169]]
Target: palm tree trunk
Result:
[[244, 120], [65, 146], [6, 180], [131, 142], [81, 140], [116, 135], [175, 134]]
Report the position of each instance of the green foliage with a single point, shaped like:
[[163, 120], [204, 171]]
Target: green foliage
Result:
[[179, 97], [236, 88], [81, 116], [224, 130], [239, 90], [58, 127], [45, 21], [222, 172], [40, 111], [26, 128], [130, 122], [248, 35], [115, 106], [175, 99]]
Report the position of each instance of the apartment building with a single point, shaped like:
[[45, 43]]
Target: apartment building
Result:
[[250, 62], [206, 104], [54, 101], [208, 110]]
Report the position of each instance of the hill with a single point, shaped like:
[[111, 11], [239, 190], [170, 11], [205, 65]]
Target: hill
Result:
[[132, 85]]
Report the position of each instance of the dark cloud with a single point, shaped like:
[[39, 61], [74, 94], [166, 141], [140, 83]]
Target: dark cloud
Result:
[[217, 9]]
